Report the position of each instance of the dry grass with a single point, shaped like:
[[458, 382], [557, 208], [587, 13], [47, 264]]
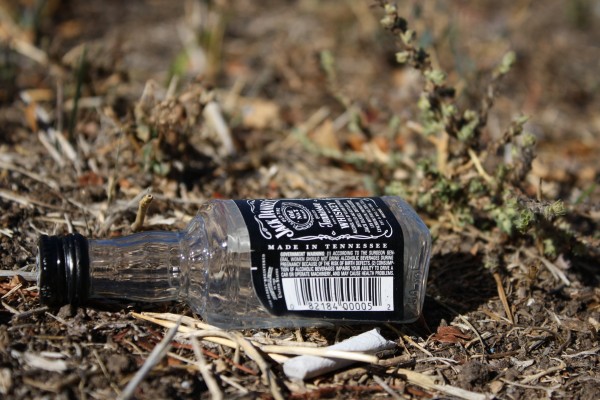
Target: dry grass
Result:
[[101, 104]]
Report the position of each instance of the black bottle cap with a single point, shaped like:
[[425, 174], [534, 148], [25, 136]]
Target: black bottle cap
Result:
[[63, 269]]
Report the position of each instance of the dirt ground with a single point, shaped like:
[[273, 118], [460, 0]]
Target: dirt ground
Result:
[[101, 101]]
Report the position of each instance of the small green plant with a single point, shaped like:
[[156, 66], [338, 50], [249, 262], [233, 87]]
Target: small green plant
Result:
[[472, 180]]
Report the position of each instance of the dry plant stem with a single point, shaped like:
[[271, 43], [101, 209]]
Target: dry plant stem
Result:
[[156, 317], [50, 149], [477, 163], [548, 390], [11, 309], [214, 117], [114, 211], [404, 360], [154, 358], [503, 298], [224, 338], [483, 345], [26, 201], [66, 148], [268, 377], [141, 212], [466, 321], [415, 344], [204, 368], [11, 34], [554, 270], [28, 276], [262, 364], [426, 382], [6, 232], [442, 153], [590, 352], [234, 384], [52, 184], [31, 312], [530, 378], [229, 361], [105, 372], [186, 331], [387, 388], [321, 352], [11, 291]]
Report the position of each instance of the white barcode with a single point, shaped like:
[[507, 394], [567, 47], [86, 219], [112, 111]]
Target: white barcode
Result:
[[339, 293]]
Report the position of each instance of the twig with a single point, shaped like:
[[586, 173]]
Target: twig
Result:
[[11, 309], [404, 360], [50, 149], [589, 352], [234, 340], [466, 321], [479, 167], [186, 331], [105, 372], [214, 117], [204, 368], [157, 354], [141, 212], [229, 361], [548, 390], [66, 147], [268, 377], [427, 382], [68, 222], [11, 291], [27, 313], [253, 353], [321, 352], [6, 232], [28, 276], [233, 383], [283, 342], [555, 271], [80, 74], [442, 153], [530, 378], [387, 388], [116, 210], [158, 317], [314, 120], [415, 344], [36, 177], [13, 36], [503, 298], [26, 201]]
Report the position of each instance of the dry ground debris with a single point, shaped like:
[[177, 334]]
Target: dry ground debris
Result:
[[482, 115]]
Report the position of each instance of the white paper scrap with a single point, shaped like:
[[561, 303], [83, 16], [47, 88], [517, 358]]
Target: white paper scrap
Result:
[[305, 367]]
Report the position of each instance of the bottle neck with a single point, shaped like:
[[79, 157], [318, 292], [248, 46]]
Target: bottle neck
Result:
[[146, 266]]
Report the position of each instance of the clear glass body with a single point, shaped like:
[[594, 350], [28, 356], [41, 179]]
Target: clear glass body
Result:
[[208, 266]]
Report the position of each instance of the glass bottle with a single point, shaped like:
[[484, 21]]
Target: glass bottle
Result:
[[258, 263]]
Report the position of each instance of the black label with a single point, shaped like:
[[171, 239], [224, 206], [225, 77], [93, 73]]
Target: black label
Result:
[[332, 258]]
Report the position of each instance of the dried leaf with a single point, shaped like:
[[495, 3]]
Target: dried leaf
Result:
[[450, 334], [90, 179], [259, 113], [324, 136], [356, 141]]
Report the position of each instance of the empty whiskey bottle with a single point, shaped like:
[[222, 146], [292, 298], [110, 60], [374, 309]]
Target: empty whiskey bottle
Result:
[[258, 263]]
